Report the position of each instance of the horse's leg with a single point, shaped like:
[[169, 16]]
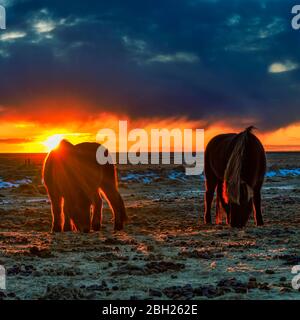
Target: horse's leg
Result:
[[210, 186], [218, 203], [226, 207], [257, 206], [67, 210], [223, 202], [67, 225], [97, 212], [116, 203], [82, 219], [56, 213]]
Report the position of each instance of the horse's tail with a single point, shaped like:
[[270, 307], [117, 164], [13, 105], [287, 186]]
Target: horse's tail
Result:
[[232, 176]]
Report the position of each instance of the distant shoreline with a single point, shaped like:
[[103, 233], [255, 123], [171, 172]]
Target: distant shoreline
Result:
[[45, 153]]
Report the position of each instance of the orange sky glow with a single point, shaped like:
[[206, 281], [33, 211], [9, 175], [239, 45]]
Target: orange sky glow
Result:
[[17, 136]]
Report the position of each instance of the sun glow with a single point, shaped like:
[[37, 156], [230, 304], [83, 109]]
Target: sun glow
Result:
[[53, 141], [23, 136]]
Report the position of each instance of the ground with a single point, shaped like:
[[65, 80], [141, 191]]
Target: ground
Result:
[[165, 252]]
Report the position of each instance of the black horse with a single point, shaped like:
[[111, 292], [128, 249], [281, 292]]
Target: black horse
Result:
[[235, 165]]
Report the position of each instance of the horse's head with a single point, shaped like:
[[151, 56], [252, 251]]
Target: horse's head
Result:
[[240, 209], [77, 206]]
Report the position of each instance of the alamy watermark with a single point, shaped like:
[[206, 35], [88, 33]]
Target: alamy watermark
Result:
[[2, 18], [296, 278], [157, 146], [296, 19], [2, 278]]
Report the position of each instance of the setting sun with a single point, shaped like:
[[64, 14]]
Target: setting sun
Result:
[[53, 141]]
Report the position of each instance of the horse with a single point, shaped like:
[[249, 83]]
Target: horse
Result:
[[75, 182], [234, 166]]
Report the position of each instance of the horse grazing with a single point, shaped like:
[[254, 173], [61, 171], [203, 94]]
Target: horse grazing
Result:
[[75, 181], [235, 166]]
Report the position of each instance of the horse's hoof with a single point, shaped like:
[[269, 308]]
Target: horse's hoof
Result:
[[97, 227], [119, 227], [56, 229]]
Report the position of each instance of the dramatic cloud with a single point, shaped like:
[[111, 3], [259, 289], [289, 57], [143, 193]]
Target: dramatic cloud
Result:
[[9, 36], [44, 26], [204, 60], [283, 67], [176, 57]]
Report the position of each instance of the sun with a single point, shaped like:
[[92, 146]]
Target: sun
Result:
[[53, 141]]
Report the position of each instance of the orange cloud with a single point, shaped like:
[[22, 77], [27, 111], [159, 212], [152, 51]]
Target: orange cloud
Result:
[[21, 135], [283, 139]]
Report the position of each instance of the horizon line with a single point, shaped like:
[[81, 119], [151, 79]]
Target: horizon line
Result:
[[266, 150]]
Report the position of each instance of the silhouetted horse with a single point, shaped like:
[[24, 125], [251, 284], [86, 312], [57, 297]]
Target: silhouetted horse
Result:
[[74, 181], [235, 165]]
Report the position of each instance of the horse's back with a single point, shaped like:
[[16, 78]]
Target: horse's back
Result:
[[255, 163], [87, 153], [54, 175], [73, 170], [218, 152]]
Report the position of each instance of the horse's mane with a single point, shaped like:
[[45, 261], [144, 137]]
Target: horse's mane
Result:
[[232, 176]]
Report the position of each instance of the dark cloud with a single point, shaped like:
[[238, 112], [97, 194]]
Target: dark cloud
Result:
[[211, 60]]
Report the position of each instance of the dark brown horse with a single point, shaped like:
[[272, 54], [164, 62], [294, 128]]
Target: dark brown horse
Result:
[[74, 181], [235, 166]]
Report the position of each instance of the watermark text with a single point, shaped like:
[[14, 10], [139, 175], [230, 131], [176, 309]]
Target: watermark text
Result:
[[296, 278], [2, 278], [296, 18], [155, 146], [2, 18]]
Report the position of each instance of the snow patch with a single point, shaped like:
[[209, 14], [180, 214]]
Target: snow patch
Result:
[[14, 184], [283, 173]]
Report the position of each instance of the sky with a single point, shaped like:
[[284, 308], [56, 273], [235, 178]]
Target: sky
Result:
[[75, 67]]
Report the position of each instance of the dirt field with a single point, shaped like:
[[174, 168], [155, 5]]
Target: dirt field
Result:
[[164, 253]]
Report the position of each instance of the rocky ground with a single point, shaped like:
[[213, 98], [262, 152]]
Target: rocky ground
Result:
[[165, 251]]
